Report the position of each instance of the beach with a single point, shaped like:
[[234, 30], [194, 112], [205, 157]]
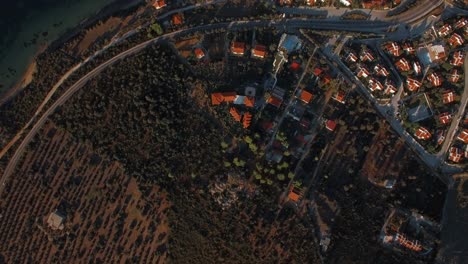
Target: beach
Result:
[[24, 36]]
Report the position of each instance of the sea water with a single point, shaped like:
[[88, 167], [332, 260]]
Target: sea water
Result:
[[27, 25]]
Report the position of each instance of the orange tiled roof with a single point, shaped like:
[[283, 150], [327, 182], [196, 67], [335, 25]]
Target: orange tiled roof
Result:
[[413, 84], [447, 97], [463, 136], [274, 101], [249, 101], [458, 57], [235, 114], [403, 65], [456, 40], [445, 118], [423, 133], [259, 51], [177, 19], [247, 119], [238, 48], [454, 76], [393, 49], [294, 194], [158, 4], [306, 96], [455, 154], [330, 125], [339, 97], [218, 98], [199, 53]]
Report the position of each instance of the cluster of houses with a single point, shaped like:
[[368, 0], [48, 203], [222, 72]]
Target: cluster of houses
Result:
[[240, 105], [369, 69]]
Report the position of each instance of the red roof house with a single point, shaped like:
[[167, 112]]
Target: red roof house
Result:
[[375, 85], [422, 133], [456, 40], [435, 79], [247, 119], [463, 136], [366, 55], [362, 72], [340, 97], [461, 23], [275, 101], [218, 98], [445, 30], [393, 49], [445, 118], [381, 71], [448, 97], [177, 19], [390, 88], [317, 71], [457, 59], [235, 114], [259, 51], [454, 76], [158, 4], [413, 84], [455, 154], [295, 66], [408, 48], [351, 57], [330, 125], [238, 48], [199, 53], [305, 96], [402, 65]]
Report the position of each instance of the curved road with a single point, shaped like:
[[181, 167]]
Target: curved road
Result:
[[377, 27]]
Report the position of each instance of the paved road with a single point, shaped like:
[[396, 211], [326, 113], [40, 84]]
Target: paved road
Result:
[[457, 117], [411, 16]]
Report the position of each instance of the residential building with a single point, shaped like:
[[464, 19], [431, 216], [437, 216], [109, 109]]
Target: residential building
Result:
[[440, 137], [463, 136], [226, 97], [455, 154], [247, 119], [248, 101], [417, 68], [295, 193], [461, 23], [435, 79], [402, 65], [413, 84], [259, 51], [351, 57], [177, 19], [444, 30], [330, 125], [55, 221], [456, 40], [393, 48], [366, 55], [340, 97], [199, 53], [466, 151], [408, 48], [318, 71], [454, 76], [375, 85], [458, 58], [381, 71], [362, 72], [275, 101], [390, 88], [295, 65], [445, 118], [158, 4], [422, 133], [305, 96], [447, 97], [238, 48], [235, 114]]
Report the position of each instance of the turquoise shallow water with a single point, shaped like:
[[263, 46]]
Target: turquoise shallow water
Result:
[[28, 24]]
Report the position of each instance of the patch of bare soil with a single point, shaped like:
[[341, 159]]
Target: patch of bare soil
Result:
[[109, 218], [97, 31]]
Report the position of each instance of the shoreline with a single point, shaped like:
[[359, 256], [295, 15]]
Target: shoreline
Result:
[[15, 86]]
